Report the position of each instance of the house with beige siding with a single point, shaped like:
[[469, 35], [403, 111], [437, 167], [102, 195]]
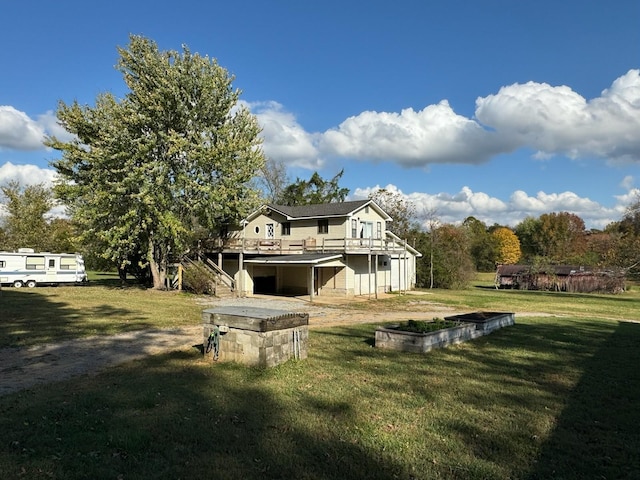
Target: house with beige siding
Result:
[[318, 250]]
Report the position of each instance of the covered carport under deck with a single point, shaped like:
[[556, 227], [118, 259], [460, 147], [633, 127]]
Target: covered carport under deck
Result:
[[303, 274]]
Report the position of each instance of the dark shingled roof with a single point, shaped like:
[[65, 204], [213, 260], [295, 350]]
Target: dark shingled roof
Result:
[[320, 210]]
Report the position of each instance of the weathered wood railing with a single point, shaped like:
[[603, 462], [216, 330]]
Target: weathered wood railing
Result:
[[311, 245]]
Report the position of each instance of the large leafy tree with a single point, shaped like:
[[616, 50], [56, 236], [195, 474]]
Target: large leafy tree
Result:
[[446, 261], [627, 249], [314, 191], [25, 224], [483, 246], [561, 237], [175, 155], [401, 211], [272, 180]]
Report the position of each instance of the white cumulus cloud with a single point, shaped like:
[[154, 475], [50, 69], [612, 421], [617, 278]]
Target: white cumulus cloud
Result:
[[435, 134], [284, 138], [551, 120], [18, 131], [454, 208], [26, 174], [555, 120]]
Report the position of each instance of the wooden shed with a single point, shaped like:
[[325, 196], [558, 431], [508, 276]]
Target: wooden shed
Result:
[[561, 278]]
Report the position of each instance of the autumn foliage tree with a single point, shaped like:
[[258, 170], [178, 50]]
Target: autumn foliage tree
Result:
[[508, 246], [561, 237]]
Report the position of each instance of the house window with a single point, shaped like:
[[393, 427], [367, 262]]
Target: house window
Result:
[[366, 229], [323, 226], [354, 228], [257, 229], [35, 263], [286, 228], [270, 230], [379, 230]]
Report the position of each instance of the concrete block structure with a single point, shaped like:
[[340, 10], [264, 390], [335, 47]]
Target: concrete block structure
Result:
[[256, 336]]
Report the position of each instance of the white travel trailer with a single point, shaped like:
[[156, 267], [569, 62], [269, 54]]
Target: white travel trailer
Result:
[[26, 267]]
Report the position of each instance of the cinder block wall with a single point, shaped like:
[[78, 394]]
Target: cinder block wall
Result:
[[265, 349]]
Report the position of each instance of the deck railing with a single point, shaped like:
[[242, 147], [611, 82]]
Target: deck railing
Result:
[[310, 245]]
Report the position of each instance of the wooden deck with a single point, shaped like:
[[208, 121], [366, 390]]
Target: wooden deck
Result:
[[310, 245]]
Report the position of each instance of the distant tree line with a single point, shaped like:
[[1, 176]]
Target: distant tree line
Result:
[[451, 253]]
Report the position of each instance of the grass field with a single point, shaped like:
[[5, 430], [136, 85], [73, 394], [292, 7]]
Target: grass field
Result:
[[551, 397]]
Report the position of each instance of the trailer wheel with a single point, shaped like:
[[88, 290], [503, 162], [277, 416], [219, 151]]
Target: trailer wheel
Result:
[[31, 283], [18, 283]]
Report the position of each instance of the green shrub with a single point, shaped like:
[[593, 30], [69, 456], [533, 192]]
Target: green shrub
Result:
[[423, 326], [197, 278]]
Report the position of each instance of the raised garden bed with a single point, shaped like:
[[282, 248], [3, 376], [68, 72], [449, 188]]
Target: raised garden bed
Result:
[[486, 322], [413, 337]]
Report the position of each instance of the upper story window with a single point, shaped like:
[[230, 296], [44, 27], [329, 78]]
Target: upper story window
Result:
[[286, 228], [354, 228], [270, 230], [379, 230], [323, 225]]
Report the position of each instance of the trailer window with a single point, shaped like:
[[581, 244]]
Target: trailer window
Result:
[[35, 263], [67, 263], [2, 264], [52, 263]]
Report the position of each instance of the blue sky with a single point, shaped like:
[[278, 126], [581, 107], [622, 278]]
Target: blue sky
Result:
[[496, 109]]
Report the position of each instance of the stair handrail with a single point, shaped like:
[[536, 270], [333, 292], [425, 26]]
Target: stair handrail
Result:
[[220, 274], [224, 276]]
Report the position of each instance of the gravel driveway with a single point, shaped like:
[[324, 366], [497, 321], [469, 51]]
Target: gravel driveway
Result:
[[22, 368]]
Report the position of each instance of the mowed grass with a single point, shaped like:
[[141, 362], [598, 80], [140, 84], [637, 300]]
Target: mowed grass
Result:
[[40, 315], [551, 397]]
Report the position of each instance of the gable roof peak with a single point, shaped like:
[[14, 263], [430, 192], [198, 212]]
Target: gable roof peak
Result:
[[338, 209]]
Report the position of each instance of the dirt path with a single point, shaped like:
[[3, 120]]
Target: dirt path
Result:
[[22, 368]]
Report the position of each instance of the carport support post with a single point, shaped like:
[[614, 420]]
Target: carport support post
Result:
[[310, 283], [369, 267], [241, 274], [375, 279]]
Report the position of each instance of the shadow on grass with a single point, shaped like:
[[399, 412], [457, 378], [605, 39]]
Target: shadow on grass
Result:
[[173, 416], [597, 434], [556, 397], [113, 281], [36, 316]]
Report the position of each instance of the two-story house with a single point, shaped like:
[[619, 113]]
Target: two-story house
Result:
[[328, 249]]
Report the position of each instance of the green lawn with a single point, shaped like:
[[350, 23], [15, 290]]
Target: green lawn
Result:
[[46, 314], [551, 397]]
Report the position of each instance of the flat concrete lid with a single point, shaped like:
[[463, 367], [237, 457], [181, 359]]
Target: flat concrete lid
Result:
[[254, 318], [253, 312]]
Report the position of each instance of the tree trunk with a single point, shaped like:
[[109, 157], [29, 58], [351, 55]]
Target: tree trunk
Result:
[[122, 273], [158, 266]]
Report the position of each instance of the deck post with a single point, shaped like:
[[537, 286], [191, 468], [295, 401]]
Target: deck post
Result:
[[310, 282]]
